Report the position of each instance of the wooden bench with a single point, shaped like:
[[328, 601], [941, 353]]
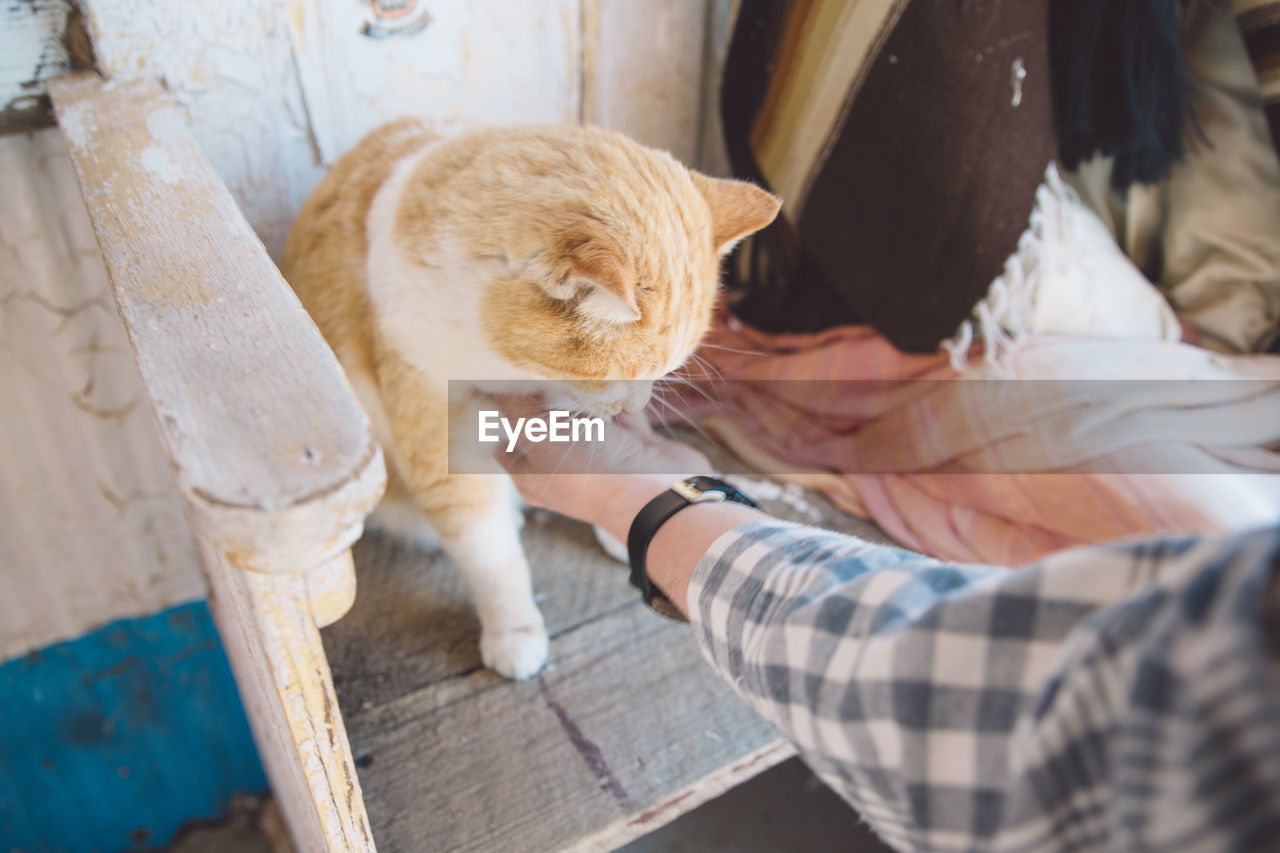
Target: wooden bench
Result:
[[386, 718]]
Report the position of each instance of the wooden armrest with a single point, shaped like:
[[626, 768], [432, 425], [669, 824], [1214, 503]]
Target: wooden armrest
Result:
[[271, 451]]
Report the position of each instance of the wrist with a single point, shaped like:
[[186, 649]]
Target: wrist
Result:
[[680, 543], [669, 535], [628, 497]]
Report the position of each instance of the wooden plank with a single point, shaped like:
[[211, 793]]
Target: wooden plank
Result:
[[452, 63], [628, 730], [272, 643], [272, 454], [413, 624], [270, 449], [39, 39]]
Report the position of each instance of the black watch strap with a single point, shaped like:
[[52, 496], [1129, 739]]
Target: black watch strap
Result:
[[682, 494]]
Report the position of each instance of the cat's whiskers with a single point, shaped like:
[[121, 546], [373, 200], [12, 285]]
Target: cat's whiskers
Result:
[[681, 415], [731, 349], [707, 366], [696, 386], [563, 456]]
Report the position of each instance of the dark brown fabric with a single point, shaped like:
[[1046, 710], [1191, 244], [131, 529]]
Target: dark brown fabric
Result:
[[929, 182]]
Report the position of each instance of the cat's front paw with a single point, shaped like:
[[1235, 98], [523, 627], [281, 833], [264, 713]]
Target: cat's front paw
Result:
[[517, 652]]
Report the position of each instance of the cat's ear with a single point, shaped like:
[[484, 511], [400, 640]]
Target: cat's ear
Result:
[[737, 209], [598, 274]]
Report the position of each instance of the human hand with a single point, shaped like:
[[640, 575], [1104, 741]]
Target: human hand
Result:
[[605, 484]]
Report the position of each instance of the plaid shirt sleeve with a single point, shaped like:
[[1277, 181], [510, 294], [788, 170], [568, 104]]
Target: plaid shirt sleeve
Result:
[[1109, 697]]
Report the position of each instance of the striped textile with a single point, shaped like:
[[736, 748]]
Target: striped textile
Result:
[[823, 56]]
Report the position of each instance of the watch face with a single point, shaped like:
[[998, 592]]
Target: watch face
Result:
[[661, 604]]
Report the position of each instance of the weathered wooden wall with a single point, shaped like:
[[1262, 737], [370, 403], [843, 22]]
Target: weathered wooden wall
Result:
[[90, 529]]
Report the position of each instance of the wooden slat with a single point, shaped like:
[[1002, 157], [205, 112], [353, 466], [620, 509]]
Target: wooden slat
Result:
[[413, 624], [270, 635], [269, 446], [628, 730]]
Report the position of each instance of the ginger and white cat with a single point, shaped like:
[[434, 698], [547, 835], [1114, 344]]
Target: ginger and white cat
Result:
[[563, 253]]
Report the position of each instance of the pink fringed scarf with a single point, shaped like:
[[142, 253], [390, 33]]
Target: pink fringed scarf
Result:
[[903, 452]]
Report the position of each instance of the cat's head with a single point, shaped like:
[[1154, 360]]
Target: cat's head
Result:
[[613, 259]]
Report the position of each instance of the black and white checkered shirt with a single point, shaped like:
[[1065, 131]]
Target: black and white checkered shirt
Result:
[[1120, 697]]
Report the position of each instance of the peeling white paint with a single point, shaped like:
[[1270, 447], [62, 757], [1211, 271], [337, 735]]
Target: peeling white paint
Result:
[[76, 125], [158, 162], [229, 66], [275, 91], [467, 67]]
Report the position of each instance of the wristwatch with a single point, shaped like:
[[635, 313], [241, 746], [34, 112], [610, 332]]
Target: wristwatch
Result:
[[681, 494]]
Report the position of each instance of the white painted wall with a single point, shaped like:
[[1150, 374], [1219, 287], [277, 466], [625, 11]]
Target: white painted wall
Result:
[[90, 528], [474, 63], [274, 91], [90, 525], [642, 70]]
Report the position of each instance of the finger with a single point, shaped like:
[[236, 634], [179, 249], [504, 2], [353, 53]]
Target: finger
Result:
[[513, 459], [520, 405], [635, 423]]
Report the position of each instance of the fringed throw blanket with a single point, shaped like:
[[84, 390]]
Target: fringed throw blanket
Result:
[[1100, 445]]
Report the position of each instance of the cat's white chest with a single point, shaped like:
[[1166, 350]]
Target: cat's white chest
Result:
[[429, 308]]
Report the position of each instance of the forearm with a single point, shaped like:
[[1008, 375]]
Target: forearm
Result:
[[969, 707]]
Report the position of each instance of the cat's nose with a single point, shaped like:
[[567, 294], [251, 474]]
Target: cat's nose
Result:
[[638, 394]]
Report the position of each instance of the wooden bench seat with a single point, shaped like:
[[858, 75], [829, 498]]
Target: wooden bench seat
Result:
[[626, 729]]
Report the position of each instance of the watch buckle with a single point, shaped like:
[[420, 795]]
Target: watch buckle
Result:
[[693, 495]]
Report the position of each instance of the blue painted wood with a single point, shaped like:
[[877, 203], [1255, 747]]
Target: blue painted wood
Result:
[[112, 741]]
